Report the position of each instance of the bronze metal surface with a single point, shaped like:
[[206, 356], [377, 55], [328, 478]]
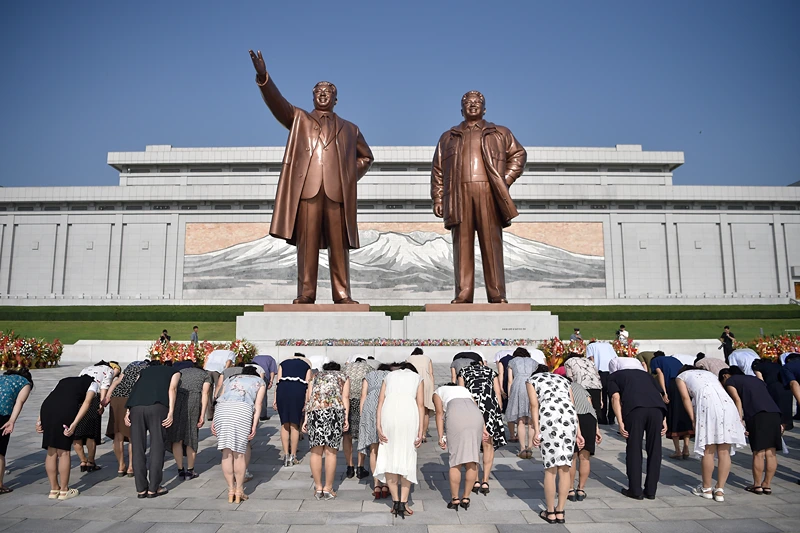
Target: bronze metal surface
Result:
[[316, 308], [433, 308]]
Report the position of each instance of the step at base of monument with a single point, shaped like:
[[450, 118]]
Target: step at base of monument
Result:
[[473, 307], [316, 308]]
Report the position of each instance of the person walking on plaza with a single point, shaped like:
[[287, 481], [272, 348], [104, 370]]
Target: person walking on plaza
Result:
[[15, 387], [235, 424], [267, 362], [326, 420], [459, 424], [640, 409], [290, 393], [587, 422], [356, 371], [484, 385], [727, 339], [556, 434], [151, 407], [401, 411], [117, 397], [424, 366], [717, 423], [215, 364], [368, 441], [679, 426], [190, 410], [601, 353], [59, 415], [518, 409], [89, 431], [762, 419]]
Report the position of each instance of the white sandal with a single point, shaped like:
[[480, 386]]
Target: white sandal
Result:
[[703, 492], [53, 494], [719, 495], [67, 494]]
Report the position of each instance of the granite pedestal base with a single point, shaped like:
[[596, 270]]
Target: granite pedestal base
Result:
[[477, 324], [269, 327]]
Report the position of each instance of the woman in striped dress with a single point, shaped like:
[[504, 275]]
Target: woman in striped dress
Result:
[[235, 424], [367, 433]]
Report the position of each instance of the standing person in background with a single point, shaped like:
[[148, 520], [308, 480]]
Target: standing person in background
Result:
[[151, 407], [267, 362], [215, 364], [460, 426], [484, 385], [164, 338], [718, 427], [727, 338], [59, 415], [194, 338], [679, 426], [401, 410], [190, 411], [326, 420], [601, 353], [15, 387], [576, 335], [587, 422], [424, 366], [368, 441], [117, 430], [290, 392], [641, 411], [762, 419], [518, 409], [89, 431], [355, 372], [622, 333]]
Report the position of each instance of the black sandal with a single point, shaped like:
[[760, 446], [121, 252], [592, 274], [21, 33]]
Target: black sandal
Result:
[[465, 503], [560, 520], [5, 490], [476, 487], [92, 467], [571, 495], [767, 491], [580, 495], [755, 490], [485, 490], [454, 504], [544, 514]]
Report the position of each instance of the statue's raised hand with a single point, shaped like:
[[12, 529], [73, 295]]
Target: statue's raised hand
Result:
[[258, 63]]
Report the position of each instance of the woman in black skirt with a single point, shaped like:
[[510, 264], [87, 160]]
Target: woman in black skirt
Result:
[[60, 414], [770, 373], [587, 420], [89, 431]]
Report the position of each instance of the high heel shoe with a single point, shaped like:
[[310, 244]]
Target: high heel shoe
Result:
[[84, 466], [454, 504], [401, 510], [464, 503], [476, 487], [395, 506], [484, 490], [231, 496], [240, 497]]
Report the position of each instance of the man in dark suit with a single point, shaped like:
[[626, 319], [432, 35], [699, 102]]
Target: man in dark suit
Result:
[[474, 165], [315, 203]]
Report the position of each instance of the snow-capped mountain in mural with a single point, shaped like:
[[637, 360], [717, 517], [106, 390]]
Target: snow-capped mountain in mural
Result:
[[413, 263]]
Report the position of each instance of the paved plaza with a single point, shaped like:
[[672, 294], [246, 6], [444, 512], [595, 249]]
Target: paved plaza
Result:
[[281, 499]]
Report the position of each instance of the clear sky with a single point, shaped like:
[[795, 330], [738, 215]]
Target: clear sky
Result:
[[718, 80]]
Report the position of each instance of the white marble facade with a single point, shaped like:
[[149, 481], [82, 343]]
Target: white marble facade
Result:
[[596, 226]]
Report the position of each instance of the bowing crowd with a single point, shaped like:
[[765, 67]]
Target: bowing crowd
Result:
[[379, 415]]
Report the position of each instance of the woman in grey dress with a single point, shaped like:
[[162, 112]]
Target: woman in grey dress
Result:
[[518, 410], [190, 408], [367, 432]]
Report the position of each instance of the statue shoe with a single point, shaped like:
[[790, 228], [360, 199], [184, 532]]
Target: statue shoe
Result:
[[498, 301], [346, 301], [303, 300], [460, 301]]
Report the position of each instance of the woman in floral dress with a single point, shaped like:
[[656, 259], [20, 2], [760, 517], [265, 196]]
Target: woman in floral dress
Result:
[[484, 384], [327, 404]]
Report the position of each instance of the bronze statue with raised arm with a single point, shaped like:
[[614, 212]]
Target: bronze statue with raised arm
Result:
[[474, 165], [315, 202]]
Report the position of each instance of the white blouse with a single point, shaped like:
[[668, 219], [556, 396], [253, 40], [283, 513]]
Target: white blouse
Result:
[[452, 392]]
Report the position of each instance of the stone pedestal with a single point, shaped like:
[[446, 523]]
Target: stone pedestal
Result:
[[331, 324], [316, 308], [477, 307], [481, 324]]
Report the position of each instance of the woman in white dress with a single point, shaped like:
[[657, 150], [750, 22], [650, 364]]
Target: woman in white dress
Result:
[[717, 427], [401, 411]]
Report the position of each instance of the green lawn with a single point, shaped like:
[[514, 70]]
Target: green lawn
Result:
[[71, 331]]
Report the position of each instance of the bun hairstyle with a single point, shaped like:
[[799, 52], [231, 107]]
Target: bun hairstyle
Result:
[[684, 368], [298, 354], [333, 365], [541, 369], [700, 357], [658, 353], [408, 366], [249, 371], [417, 351], [521, 352], [384, 367]]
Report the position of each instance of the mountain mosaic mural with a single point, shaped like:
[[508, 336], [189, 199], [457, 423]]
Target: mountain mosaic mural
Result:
[[400, 263]]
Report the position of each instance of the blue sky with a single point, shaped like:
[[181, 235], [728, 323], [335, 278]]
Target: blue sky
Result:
[[81, 79]]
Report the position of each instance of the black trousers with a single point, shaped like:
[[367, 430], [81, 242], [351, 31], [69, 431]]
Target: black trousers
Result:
[[595, 395], [647, 422], [144, 419], [214, 378], [605, 414]]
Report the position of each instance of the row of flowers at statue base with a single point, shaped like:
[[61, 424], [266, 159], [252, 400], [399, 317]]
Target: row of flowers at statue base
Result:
[[16, 351], [772, 346], [406, 342], [180, 351]]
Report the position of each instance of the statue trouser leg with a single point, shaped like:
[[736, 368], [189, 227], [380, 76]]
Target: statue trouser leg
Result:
[[490, 238], [308, 230], [338, 249], [464, 249]]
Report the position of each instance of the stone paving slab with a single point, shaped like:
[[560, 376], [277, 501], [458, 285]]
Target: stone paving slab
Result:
[[281, 499]]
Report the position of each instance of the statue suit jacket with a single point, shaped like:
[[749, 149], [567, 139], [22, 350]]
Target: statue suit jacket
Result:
[[355, 158]]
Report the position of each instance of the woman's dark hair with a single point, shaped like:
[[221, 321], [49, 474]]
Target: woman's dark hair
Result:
[[417, 351], [333, 365], [384, 367], [240, 364], [102, 363], [700, 357], [24, 372], [360, 360], [658, 353], [521, 352], [198, 364], [298, 354], [571, 355], [541, 369], [730, 371], [405, 365], [249, 371], [155, 362], [449, 384], [684, 368], [792, 356]]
